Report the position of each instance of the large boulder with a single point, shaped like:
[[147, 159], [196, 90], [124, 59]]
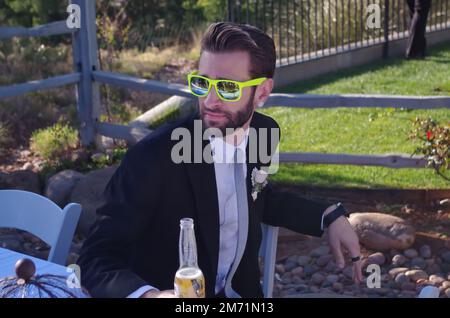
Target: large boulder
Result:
[[60, 186], [382, 232], [89, 193], [26, 180]]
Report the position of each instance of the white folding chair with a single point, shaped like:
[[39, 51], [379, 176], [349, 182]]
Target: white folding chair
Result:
[[268, 252], [40, 216]]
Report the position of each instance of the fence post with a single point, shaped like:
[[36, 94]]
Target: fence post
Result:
[[386, 29], [85, 58], [230, 10]]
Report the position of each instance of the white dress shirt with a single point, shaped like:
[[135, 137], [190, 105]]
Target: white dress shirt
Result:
[[223, 156]]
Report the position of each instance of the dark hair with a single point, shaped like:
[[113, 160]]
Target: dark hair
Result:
[[221, 37]]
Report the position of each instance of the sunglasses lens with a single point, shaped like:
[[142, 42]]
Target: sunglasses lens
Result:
[[228, 90], [199, 85]]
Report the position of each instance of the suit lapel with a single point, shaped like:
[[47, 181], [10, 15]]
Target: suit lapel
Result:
[[250, 167]]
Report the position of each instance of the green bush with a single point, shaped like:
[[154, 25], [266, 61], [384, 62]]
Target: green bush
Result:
[[6, 140], [435, 144], [54, 143], [85, 163], [106, 160], [118, 154], [5, 136]]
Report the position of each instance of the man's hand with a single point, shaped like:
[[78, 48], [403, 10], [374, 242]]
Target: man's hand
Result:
[[341, 233], [159, 294]]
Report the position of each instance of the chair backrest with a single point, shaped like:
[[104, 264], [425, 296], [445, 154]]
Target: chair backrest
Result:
[[268, 252], [41, 217]]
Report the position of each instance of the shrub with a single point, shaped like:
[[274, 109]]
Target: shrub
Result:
[[435, 147], [5, 136], [104, 160], [54, 143]]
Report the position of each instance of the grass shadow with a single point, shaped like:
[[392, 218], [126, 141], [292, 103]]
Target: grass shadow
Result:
[[324, 179]]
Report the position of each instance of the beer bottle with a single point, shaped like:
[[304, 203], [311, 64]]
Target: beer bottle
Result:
[[189, 280]]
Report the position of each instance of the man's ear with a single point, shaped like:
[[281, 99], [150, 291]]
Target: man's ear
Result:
[[263, 91]]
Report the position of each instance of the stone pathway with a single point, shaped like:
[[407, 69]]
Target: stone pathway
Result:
[[403, 274]]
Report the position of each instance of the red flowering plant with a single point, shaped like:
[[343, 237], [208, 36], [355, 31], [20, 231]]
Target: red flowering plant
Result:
[[435, 144]]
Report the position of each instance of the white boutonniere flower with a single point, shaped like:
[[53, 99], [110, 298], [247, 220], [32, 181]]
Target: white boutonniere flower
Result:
[[259, 181]]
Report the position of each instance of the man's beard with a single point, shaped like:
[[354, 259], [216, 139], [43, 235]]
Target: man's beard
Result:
[[235, 120]]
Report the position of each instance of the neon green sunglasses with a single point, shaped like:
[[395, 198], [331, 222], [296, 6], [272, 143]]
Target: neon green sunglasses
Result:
[[227, 90]]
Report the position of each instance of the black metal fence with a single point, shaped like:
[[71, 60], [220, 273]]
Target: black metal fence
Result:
[[305, 29]]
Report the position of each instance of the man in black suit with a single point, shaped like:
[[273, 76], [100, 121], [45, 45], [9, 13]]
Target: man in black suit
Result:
[[417, 43], [132, 250]]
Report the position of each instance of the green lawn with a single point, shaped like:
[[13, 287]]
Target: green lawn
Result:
[[363, 130]]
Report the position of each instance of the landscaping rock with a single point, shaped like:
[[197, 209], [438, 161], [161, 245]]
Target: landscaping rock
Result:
[[447, 292], [331, 267], [436, 280], [59, 187], [26, 180], [446, 256], [395, 271], [338, 287], [320, 251], [418, 262], [410, 253], [408, 286], [317, 278], [348, 272], [376, 258], [290, 265], [425, 251], [382, 232], [279, 268], [433, 269], [310, 269], [323, 260], [401, 279], [332, 278], [28, 166], [416, 274], [298, 271], [297, 280], [398, 260], [445, 284], [89, 193], [302, 260]]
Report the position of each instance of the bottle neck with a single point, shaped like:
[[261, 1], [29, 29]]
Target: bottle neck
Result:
[[187, 245]]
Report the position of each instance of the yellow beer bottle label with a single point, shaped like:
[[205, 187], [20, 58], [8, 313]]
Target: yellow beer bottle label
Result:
[[189, 283]]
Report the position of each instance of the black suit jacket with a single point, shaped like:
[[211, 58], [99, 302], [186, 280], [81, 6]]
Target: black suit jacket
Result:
[[135, 239]]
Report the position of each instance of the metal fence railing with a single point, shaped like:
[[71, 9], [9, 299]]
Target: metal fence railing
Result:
[[305, 29]]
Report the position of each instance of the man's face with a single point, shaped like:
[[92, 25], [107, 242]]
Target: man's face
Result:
[[214, 112]]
